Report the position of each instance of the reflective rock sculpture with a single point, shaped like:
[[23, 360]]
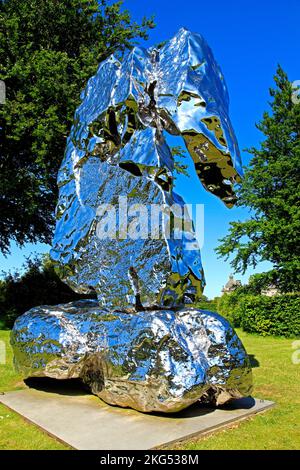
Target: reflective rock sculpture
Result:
[[117, 149], [162, 360], [142, 344]]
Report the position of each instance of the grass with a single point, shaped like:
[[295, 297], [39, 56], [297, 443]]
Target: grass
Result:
[[275, 378], [15, 432]]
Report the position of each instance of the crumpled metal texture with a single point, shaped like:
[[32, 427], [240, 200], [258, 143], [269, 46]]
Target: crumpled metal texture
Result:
[[160, 360], [117, 147]]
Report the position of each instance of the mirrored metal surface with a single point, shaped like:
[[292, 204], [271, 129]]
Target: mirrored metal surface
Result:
[[117, 147], [138, 346], [161, 360]]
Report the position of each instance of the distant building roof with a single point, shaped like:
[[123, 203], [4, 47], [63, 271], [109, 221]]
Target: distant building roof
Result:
[[270, 291], [231, 284]]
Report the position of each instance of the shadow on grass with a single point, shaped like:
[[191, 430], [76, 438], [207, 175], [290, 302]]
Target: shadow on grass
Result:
[[253, 361]]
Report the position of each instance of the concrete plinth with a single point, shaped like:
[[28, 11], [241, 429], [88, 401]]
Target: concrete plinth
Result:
[[85, 422]]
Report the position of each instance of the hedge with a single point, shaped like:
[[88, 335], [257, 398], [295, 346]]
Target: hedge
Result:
[[278, 315], [228, 307]]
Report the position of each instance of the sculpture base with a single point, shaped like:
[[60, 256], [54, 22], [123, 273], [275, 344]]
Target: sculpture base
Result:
[[86, 423], [158, 360]]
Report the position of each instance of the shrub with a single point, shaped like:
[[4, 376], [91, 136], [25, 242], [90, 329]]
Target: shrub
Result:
[[278, 315], [228, 306], [205, 304]]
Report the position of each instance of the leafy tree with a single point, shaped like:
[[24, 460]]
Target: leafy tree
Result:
[[48, 50], [271, 189], [206, 304], [38, 285], [179, 154]]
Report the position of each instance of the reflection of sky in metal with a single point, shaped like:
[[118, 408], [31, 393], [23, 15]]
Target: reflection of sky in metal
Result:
[[117, 146], [248, 56], [151, 361]]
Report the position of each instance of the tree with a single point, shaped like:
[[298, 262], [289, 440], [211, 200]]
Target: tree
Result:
[[179, 154], [271, 190], [38, 285], [48, 50]]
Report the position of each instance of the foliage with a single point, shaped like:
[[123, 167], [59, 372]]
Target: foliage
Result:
[[275, 378], [205, 304], [271, 190], [278, 315], [228, 303], [48, 50], [39, 285], [228, 306], [257, 283], [15, 432], [179, 153]]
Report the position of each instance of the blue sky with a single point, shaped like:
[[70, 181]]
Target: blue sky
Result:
[[248, 39]]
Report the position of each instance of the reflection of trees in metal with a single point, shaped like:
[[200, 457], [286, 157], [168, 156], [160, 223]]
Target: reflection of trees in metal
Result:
[[159, 360], [117, 147]]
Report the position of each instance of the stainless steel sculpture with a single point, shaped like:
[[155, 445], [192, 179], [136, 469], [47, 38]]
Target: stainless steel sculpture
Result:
[[139, 345], [117, 147], [159, 361]]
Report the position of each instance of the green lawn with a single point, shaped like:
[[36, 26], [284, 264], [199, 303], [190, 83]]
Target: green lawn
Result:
[[15, 433], [275, 378]]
